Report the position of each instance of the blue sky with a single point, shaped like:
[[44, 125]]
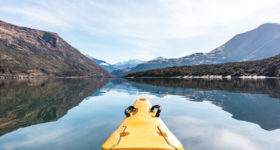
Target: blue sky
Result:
[[118, 30]]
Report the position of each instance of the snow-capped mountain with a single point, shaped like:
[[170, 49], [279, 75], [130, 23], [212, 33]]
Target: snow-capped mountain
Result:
[[102, 63], [128, 64], [120, 65]]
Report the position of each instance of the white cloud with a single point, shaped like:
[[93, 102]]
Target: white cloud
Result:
[[35, 139], [147, 25], [200, 134], [35, 14]]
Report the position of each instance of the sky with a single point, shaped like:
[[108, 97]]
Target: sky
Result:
[[119, 30]]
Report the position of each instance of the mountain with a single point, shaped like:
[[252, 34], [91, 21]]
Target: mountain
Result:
[[267, 67], [158, 58], [120, 65], [128, 64], [28, 52], [102, 63], [132, 63], [124, 70], [262, 42]]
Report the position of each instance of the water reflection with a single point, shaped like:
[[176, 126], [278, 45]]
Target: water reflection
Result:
[[188, 111], [231, 95], [261, 86], [28, 102]]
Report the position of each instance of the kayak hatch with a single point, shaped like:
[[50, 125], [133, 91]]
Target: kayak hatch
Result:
[[142, 130]]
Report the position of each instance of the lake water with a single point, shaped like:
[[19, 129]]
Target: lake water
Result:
[[80, 114]]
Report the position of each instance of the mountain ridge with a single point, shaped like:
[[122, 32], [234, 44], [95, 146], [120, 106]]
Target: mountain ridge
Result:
[[120, 65], [269, 67], [128, 64], [102, 63], [259, 43], [27, 52]]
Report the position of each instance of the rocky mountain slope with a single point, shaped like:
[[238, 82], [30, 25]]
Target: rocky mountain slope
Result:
[[29, 52], [262, 42], [267, 67]]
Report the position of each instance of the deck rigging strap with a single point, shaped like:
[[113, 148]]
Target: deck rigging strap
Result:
[[124, 128], [165, 138]]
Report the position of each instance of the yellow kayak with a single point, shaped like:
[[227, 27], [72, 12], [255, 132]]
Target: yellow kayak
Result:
[[142, 130]]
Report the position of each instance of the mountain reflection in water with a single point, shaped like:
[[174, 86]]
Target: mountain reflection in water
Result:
[[245, 114], [28, 102], [230, 95]]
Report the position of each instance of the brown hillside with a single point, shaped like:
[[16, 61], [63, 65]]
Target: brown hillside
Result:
[[30, 52]]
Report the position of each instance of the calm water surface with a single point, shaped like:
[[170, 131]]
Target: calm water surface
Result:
[[80, 114]]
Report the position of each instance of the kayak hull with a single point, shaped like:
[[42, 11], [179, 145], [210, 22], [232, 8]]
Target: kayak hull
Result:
[[142, 130]]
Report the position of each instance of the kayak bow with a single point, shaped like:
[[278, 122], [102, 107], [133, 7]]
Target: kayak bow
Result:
[[142, 130]]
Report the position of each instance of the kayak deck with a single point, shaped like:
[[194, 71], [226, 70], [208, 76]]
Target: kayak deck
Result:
[[142, 130]]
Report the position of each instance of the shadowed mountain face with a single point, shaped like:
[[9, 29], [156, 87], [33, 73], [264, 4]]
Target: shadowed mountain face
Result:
[[244, 99], [28, 102], [260, 43], [30, 52]]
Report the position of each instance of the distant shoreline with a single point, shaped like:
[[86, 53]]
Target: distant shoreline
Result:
[[48, 77], [211, 77]]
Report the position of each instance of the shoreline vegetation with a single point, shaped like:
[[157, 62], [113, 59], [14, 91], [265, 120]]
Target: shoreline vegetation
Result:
[[211, 77], [269, 67]]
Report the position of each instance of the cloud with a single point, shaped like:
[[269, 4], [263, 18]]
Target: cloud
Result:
[[200, 134], [35, 139], [35, 14], [150, 26]]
